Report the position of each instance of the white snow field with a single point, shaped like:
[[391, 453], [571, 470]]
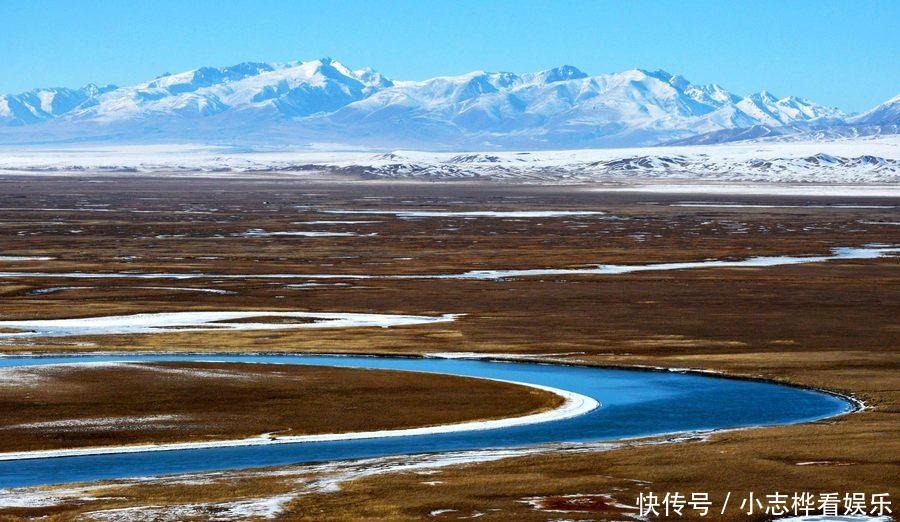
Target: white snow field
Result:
[[25, 258], [198, 321], [298, 233], [852, 161]]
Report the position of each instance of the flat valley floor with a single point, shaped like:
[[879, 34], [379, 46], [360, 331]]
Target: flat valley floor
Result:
[[833, 325]]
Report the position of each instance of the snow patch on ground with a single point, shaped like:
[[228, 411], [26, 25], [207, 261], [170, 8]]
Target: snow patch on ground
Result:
[[37, 497], [264, 507], [102, 423], [213, 373], [317, 285], [871, 251], [256, 232], [54, 289], [333, 222], [19, 377], [308, 478], [37, 375], [187, 289], [574, 503], [198, 321], [25, 258], [474, 213]]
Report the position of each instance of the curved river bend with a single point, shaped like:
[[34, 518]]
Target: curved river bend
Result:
[[634, 403]]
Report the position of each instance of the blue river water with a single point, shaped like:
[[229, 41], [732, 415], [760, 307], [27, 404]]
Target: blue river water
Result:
[[633, 403]]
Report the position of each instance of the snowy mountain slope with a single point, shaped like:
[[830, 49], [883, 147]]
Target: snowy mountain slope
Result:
[[870, 160], [561, 107], [881, 120], [323, 101], [766, 109], [285, 90], [888, 113], [46, 104], [787, 133]]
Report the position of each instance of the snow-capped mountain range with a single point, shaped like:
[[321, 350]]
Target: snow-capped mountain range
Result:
[[324, 102]]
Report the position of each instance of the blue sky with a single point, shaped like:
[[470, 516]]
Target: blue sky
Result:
[[841, 53]]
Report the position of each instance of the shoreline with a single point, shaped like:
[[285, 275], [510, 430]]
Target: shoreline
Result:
[[535, 359], [575, 404]]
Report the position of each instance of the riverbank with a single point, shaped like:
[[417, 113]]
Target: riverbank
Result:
[[159, 405]]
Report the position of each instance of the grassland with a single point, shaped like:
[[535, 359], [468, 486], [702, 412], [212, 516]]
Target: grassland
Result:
[[829, 325], [71, 406]]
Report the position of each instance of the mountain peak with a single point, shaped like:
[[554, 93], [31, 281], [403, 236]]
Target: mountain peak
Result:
[[562, 73], [324, 100], [372, 77], [764, 96], [893, 101], [331, 62], [887, 113], [659, 74]]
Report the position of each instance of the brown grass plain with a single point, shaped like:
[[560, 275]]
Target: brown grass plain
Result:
[[828, 325]]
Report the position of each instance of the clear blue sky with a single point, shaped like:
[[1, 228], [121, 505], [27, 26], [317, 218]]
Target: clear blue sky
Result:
[[841, 53]]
